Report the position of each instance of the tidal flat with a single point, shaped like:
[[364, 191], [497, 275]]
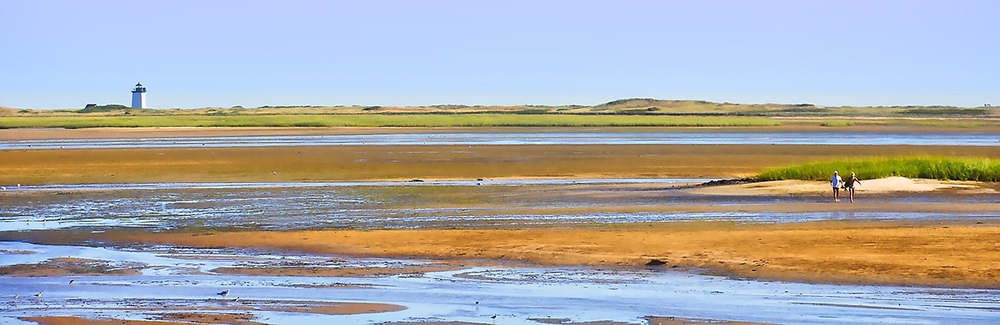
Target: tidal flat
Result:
[[457, 234]]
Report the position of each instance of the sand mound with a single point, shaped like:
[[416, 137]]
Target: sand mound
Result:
[[881, 185]]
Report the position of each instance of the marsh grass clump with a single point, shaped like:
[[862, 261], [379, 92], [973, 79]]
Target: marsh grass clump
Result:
[[942, 168]]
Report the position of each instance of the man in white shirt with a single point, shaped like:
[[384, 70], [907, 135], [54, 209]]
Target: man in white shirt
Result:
[[835, 181]]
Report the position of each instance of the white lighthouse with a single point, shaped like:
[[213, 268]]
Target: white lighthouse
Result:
[[139, 96]]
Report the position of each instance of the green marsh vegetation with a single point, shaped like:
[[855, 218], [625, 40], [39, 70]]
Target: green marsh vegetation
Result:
[[941, 168], [624, 112], [376, 120]]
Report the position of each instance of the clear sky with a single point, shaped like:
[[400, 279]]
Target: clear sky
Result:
[[191, 54]]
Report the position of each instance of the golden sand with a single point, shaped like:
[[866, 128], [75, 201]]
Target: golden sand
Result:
[[929, 254]]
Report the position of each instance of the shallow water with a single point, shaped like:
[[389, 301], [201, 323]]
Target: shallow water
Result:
[[556, 138], [400, 205], [516, 294]]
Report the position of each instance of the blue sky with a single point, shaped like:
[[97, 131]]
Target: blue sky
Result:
[[191, 54]]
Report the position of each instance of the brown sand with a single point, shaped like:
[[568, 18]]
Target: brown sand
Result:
[[332, 163], [931, 254], [352, 163], [68, 266], [196, 317], [168, 319], [206, 318], [72, 320]]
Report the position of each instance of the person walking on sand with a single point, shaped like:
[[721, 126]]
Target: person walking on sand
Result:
[[850, 183], [836, 181]]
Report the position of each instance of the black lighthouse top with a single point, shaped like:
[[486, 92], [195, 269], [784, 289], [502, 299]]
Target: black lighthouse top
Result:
[[139, 88]]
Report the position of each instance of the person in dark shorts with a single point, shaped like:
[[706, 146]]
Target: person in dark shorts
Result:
[[850, 183]]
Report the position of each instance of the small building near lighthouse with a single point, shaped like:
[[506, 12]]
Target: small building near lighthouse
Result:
[[139, 96]]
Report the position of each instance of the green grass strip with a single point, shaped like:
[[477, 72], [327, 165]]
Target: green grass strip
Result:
[[375, 120], [942, 168]]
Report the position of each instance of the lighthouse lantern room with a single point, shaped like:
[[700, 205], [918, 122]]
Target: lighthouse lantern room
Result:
[[139, 96]]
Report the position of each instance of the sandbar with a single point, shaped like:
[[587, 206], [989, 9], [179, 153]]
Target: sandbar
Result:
[[952, 254]]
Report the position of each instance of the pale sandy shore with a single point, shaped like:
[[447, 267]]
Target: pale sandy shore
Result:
[[887, 185]]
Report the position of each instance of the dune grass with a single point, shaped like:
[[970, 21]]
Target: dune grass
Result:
[[376, 120], [942, 168]]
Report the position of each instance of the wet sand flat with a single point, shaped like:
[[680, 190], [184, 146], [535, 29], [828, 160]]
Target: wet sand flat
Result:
[[70, 266], [234, 315], [926, 254], [925, 251], [861, 255], [72, 320]]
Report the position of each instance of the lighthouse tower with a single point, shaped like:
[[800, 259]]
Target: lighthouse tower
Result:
[[139, 96]]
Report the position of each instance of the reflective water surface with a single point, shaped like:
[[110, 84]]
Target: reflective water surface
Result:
[[177, 278]]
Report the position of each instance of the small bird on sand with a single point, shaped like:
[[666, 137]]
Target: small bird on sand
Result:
[[71, 281], [224, 293], [16, 297]]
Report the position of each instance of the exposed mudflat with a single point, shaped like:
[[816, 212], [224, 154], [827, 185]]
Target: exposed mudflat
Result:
[[355, 226]]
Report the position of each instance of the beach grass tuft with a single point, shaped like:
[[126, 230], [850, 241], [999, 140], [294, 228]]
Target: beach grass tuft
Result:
[[942, 168]]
